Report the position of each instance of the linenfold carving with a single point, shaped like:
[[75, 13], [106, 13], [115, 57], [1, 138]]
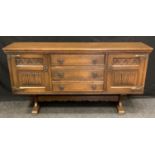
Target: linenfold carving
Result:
[[124, 78], [30, 78]]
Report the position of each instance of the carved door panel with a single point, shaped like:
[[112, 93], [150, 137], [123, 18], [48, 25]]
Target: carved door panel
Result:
[[29, 73], [126, 73]]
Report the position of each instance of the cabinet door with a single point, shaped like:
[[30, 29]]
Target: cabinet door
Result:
[[126, 73], [29, 73]]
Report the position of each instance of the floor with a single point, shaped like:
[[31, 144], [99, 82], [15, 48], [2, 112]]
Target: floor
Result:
[[140, 107]]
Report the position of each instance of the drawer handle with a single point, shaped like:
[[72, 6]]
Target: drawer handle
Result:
[[61, 87], [45, 68], [94, 61], [60, 74], [94, 74], [93, 87], [60, 61]]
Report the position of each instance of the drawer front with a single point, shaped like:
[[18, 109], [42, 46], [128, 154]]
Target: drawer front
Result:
[[29, 60], [77, 86], [77, 59], [77, 73], [126, 60]]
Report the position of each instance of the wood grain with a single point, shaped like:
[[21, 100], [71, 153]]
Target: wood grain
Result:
[[83, 73], [78, 69], [77, 60], [72, 46], [77, 86], [121, 72], [126, 74]]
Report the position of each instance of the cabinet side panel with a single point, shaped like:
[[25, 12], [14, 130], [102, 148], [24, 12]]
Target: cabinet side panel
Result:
[[11, 70], [144, 64]]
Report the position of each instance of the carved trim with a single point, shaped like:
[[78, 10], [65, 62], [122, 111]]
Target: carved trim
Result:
[[29, 61], [126, 61]]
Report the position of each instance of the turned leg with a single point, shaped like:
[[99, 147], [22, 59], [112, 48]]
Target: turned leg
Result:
[[35, 109], [120, 108]]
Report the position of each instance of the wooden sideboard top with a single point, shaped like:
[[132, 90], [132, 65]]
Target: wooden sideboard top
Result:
[[72, 46]]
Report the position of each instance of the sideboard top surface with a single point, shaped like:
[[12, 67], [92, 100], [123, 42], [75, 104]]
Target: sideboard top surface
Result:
[[72, 46]]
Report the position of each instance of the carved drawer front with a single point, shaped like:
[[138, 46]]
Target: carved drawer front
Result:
[[126, 73], [77, 86], [77, 59], [29, 73], [77, 73], [28, 60], [126, 60]]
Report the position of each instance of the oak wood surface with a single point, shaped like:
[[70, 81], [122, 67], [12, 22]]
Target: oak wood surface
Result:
[[78, 86], [84, 68], [78, 73], [78, 60], [92, 97], [125, 73], [120, 72], [72, 46]]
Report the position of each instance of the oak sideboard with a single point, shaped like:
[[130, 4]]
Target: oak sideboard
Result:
[[77, 69]]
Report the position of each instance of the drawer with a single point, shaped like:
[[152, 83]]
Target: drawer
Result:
[[126, 60], [29, 60], [77, 86], [77, 59], [77, 73]]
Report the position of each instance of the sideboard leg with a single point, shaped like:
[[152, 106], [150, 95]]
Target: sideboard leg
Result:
[[120, 108], [35, 109]]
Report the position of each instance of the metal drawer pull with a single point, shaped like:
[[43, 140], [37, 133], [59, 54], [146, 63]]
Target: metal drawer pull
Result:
[[94, 61], [60, 61], [93, 87], [94, 74], [61, 87], [60, 74], [45, 68]]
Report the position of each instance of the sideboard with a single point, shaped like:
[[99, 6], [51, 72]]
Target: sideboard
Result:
[[77, 69]]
